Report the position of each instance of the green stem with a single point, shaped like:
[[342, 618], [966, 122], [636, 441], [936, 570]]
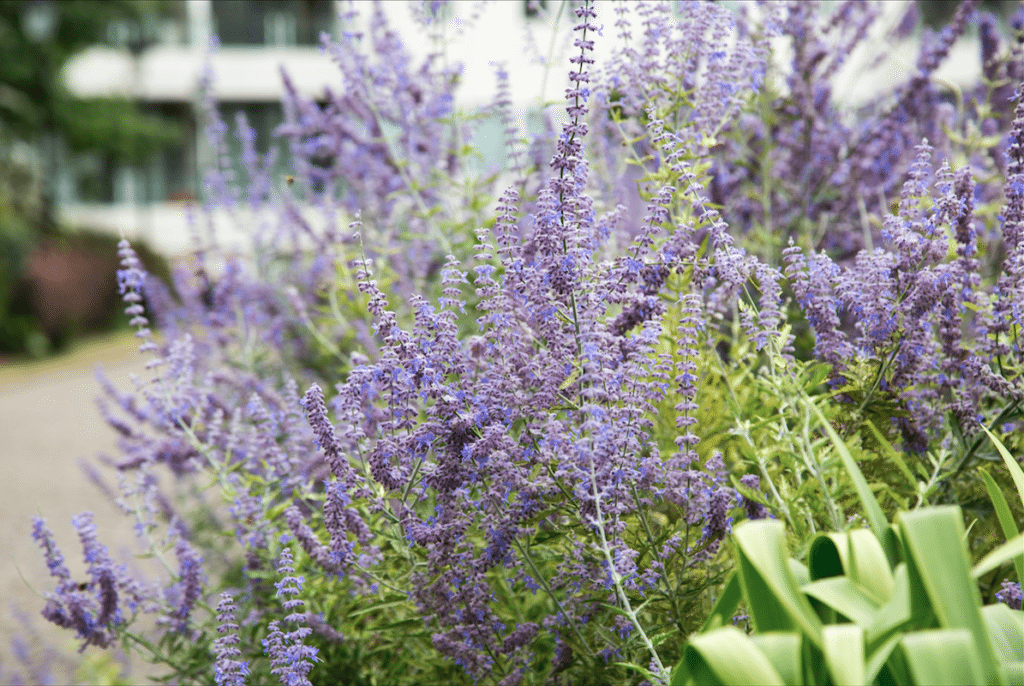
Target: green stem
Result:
[[620, 591]]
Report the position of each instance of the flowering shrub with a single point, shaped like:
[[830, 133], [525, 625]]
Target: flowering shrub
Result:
[[499, 429]]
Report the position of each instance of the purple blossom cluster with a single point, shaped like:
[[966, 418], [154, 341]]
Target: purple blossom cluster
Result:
[[480, 420], [290, 659], [228, 671], [94, 608], [907, 304], [1010, 594]]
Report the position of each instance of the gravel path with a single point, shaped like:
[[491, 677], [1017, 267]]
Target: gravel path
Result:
[[48, 422]]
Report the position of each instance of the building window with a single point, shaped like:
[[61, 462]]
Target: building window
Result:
[[279, 28], [272, 22]]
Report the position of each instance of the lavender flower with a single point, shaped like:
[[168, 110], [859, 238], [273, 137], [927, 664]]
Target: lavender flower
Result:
[[754, 509], [189, 586], [228, 671], [1010, 594], [71, 606], [534, 416], [290, 659]]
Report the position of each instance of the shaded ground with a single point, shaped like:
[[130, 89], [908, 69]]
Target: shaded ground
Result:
[[48, 422]]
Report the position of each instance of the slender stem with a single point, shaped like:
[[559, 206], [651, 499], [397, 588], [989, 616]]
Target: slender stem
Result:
[[620, 591], [551, 594]]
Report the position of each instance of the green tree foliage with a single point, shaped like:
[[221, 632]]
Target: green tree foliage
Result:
[[33, 98]]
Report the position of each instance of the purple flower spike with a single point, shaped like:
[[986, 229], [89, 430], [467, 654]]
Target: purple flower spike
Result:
[[290, 659], [189, 585], [228, 671]]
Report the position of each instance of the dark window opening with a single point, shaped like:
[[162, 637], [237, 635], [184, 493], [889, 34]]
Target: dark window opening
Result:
[[272, 22]]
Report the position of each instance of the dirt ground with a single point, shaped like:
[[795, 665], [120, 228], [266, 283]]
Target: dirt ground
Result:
[[48, 423]]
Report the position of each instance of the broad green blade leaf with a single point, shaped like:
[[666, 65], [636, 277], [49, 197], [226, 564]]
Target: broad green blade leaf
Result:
[[800, 571], [879, 657], [1006, 627], [725, 607], [934, 540], [784, 651], [844, 653], [1007, 551], [1012, 673], [730, 657], [869, 566], [894, 615], [1005, 516], [861, 557], [872, 510], [943, 657], [1015, 471], [845, 597], [774, 599]]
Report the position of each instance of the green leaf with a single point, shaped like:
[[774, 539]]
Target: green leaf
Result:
[[1008, 551], [892, 454], [726, 656], [844, 653], [378, 606], [868, 566], [785, 651], [856, 553], [642, 671], [845, 597], [875, 516], [1015, 471], [800, 572], [879, 657], [1006, 627], [725, 607], [1012, 673], [658, 639], [1005, 516], [941, 563], [943, 657], [774, 599], [894, 614], [816, 374], [1000, 505]]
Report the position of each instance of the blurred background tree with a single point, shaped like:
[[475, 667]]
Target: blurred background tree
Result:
[[41, 122]]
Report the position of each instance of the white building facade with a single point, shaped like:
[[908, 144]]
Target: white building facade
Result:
[[259, 37]]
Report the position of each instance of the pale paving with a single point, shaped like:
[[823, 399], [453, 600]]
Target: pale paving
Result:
[[48, 422]]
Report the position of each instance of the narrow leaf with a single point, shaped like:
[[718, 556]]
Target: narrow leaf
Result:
[[725, 607], [892, 454], [1015, 471], [873, 511], [1005, 516], [1007, 551]]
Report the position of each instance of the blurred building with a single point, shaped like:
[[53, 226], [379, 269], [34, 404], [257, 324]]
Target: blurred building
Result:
[[161, 66]]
